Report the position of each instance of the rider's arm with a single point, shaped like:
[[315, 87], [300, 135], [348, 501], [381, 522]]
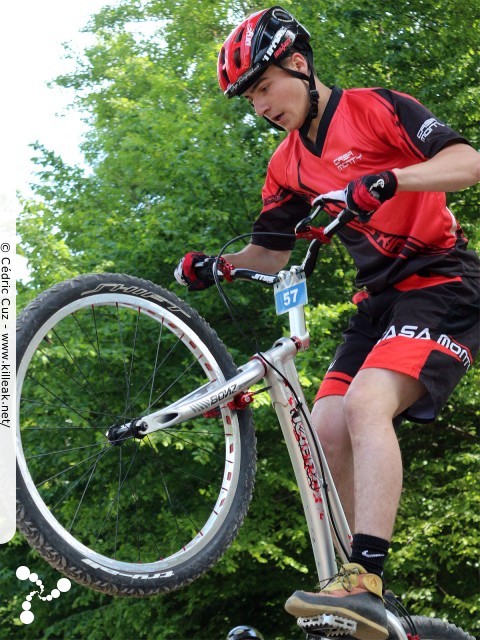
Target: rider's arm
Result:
[[195, 269], [259, 258], [454, 167]]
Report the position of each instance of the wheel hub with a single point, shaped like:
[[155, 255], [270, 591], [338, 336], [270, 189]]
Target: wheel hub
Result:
[[119, 433]]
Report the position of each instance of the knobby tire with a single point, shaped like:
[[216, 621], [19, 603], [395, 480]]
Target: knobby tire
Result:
[[144, 515]]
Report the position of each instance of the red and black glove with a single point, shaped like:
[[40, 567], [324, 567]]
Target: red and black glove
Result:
[[364, 195], [195, 270]]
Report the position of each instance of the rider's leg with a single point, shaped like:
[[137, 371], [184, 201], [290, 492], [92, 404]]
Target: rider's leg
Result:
[[365, 416], [331, 426], [374, 398], [378, 370]]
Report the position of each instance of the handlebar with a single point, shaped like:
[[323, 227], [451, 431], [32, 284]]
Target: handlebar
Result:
[[332, 197], [343, 218], [303, 230]]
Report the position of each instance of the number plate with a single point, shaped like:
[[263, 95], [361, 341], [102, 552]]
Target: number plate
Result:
[[291, 297]]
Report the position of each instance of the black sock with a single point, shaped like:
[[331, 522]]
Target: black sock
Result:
[[370, 552]]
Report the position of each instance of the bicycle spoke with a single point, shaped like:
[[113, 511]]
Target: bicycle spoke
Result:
[[78, 410], [122, 346], [75, 364], [157, 351], [68, 469], [157, 369], [120, 449], [84, 332], [75, 484], [115, 498], [135, 335], [55, 452], [180, 376], [65, 404], [190, 442]]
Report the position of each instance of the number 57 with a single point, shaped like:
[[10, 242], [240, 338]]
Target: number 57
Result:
[[290, 297]]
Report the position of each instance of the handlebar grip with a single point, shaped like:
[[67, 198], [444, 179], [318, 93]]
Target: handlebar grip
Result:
[[205, 272]]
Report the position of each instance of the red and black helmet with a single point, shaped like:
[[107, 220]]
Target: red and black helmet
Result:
[[264, 38]]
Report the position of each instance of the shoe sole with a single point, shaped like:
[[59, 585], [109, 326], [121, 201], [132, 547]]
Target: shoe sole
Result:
[[366, 630]]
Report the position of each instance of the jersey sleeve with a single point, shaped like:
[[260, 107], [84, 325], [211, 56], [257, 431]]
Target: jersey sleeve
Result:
[[282, 210], [419, 129]]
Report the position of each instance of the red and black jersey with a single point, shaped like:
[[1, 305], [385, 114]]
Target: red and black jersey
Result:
[[414, 235]]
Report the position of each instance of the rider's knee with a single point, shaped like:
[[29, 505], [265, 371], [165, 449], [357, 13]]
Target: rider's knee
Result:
[[329, 423], [365, 406], [354, 403]]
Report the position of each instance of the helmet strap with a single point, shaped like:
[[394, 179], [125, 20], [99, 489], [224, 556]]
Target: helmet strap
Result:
[[313, 96]]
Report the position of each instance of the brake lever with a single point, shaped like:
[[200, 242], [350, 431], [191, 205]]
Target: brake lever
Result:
[[304, 225], [332, 197], [313, 233]]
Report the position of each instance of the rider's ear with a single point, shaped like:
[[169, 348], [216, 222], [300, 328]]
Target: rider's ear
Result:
[[299, 62]]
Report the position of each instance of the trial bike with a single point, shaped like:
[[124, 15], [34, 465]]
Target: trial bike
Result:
[[136, 450]]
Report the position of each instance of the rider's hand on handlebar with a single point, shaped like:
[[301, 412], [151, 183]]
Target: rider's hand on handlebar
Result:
[[195, 270], [363, 196]]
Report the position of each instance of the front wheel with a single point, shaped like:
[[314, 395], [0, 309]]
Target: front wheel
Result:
[[132, 516]]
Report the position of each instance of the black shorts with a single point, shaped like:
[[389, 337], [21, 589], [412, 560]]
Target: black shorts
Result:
[[431, 334]]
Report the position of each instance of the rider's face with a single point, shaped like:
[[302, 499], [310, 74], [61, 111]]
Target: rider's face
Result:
[[280, 97]]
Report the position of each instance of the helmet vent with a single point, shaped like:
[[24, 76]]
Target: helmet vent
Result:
[[239, 35], [281, 15], [237, 58]]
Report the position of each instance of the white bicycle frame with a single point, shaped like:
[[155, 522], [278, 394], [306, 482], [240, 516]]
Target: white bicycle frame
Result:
[[325, 517]]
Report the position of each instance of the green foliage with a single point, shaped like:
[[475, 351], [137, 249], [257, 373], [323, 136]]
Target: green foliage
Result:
[[173, 166]]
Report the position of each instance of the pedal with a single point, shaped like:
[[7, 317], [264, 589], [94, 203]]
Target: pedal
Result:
[[326, 626]]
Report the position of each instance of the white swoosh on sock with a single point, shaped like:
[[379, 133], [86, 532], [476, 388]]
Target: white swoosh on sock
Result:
[[365, 554]]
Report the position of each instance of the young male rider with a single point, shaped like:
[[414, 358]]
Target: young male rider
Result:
[[416, 331]]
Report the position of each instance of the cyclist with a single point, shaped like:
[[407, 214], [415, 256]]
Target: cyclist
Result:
[[415, 332]]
